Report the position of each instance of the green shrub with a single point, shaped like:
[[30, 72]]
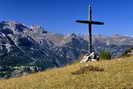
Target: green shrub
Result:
[[128, 52], [105, 55]]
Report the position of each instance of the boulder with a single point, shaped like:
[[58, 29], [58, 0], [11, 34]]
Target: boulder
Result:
[[90, 57]]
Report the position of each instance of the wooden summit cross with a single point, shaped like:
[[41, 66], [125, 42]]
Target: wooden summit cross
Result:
[[90, 22]]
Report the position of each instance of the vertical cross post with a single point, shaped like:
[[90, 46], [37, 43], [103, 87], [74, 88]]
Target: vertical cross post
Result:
[[90, 29]]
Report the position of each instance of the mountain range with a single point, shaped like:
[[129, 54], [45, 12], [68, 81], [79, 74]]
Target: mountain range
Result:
[[26, 49]]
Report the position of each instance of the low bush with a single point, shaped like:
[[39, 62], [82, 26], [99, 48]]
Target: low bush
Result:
[[105, 55]]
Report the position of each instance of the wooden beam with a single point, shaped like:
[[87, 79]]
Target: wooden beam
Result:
[[90, 22]]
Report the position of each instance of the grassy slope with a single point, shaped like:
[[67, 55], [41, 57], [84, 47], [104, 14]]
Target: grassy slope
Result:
[[118, 74]]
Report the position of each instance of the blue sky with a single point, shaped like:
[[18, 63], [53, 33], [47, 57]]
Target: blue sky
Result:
[[59, 15]]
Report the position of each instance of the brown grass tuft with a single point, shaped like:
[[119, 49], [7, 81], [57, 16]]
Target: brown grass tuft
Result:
[[88, 68]]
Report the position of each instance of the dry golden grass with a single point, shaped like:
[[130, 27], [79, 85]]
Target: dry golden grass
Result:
[[117, 74]]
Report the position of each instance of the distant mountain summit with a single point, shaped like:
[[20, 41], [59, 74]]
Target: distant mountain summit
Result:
[[26, 49]]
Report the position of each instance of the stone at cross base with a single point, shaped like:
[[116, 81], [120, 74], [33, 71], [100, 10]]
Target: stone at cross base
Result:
[[90, 57]]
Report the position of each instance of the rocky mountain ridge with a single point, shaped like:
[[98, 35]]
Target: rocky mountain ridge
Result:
[[26, 49]]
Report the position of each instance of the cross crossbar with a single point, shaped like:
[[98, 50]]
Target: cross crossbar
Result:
[[90, 22]]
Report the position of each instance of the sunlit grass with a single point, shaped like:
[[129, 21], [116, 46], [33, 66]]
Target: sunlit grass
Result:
[[117, 74]]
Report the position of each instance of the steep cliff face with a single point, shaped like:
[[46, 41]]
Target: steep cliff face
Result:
[[23, 46], [26, 49]]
